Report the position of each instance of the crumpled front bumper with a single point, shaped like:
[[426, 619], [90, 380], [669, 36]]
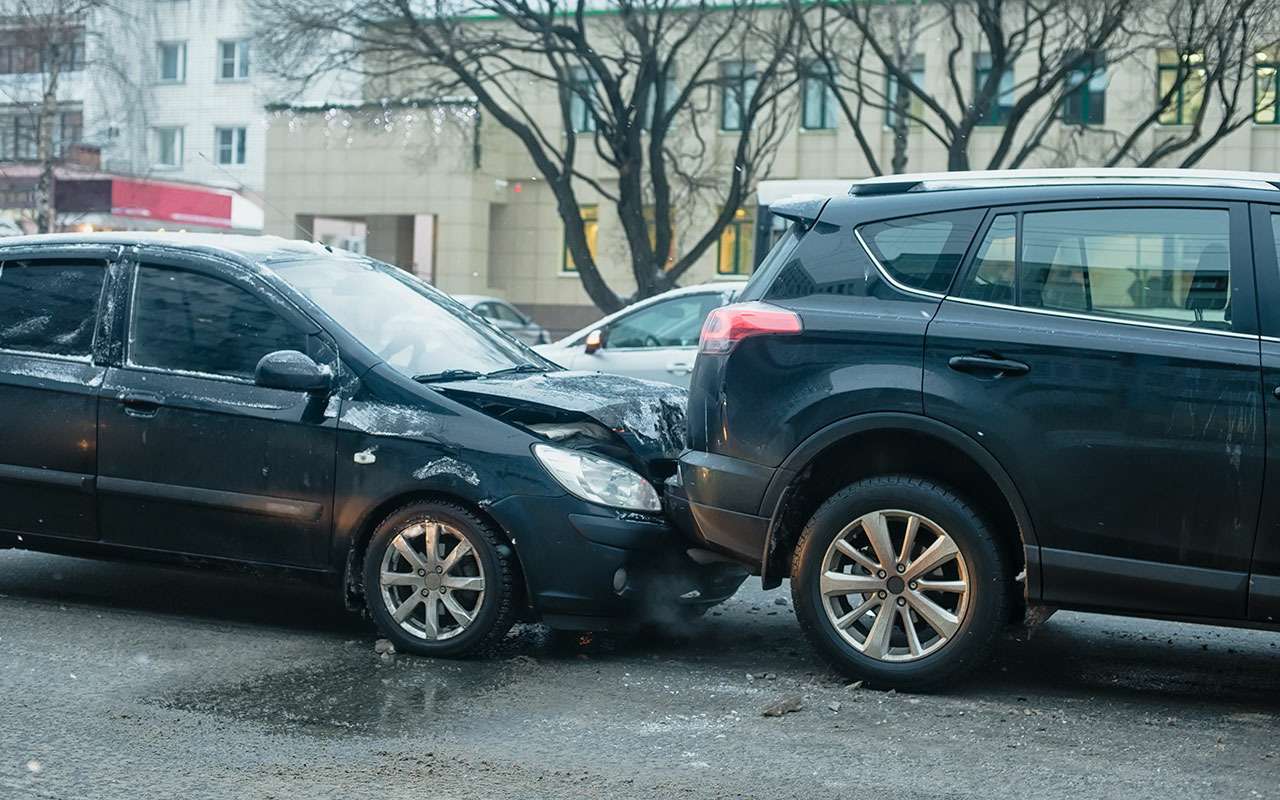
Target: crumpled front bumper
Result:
[[592, 568]]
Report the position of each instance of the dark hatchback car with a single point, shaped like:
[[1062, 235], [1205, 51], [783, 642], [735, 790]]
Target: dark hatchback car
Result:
[[266, 402], [947, 399]]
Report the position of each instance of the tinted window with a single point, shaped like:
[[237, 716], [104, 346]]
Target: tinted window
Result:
[[994, 263], [49, 306], [192, 323], [671, 323], [1169, 265], [922, 252]]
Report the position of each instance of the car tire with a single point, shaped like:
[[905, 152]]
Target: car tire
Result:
[[472, 596], [952, 629]]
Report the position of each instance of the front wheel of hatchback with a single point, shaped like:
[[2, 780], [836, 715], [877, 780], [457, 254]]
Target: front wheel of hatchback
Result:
[[899, 582], [438, 580]]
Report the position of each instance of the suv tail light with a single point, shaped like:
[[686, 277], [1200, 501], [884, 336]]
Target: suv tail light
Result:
[[728, 325]]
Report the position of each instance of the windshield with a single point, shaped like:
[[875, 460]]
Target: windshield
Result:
[[413, 327]]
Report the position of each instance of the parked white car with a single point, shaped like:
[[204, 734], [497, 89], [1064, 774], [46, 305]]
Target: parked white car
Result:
[[656, 338], [505, 317]]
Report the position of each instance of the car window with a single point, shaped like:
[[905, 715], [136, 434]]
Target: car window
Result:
[[995, 262], [49, 306], [670, 323], [506, 313], [1168, 265], [187, 322], [485, 310], [922, 252]]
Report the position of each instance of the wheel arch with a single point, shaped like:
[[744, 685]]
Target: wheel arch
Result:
[[358, 542], [884, 443]]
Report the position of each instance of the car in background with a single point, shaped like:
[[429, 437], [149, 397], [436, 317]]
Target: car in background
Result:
[[505, 317], [655, 339]]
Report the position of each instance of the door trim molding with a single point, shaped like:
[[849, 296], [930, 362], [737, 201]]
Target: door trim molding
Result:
[[1112, 583], [261, 505], [47, 477]]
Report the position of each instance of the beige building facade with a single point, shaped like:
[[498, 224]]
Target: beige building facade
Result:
[[439, 190]]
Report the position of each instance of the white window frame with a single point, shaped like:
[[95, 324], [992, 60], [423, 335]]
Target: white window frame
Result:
[[182, 62], [178, 143], [240, 63], [237, 149]]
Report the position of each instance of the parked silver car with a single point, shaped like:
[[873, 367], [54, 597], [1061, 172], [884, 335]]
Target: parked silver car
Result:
[[505, 317], [656, 338]]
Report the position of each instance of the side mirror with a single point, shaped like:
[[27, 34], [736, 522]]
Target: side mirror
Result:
[[595, 340], [293, 372]]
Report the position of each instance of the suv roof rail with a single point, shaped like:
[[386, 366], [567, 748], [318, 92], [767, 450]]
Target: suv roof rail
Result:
[[934, 181]]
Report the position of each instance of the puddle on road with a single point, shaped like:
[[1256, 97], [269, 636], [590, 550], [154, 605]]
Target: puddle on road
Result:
[[353, 693]]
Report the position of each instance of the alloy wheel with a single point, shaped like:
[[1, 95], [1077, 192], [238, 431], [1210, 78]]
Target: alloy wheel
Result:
[[894, 585], [432, 580]]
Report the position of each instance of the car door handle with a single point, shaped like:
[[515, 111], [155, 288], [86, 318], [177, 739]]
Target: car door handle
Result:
[[679, 367], [988, 364], [141, 404]]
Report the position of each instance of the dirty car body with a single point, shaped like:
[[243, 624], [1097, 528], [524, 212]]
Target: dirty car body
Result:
[[272, 403]]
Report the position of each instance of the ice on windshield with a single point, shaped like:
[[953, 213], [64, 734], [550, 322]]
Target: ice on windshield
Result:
[[409, 325]]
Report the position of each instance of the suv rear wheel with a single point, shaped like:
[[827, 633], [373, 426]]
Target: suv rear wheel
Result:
[[899, 582], [437, 582]]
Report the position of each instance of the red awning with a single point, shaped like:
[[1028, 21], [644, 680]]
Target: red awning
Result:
[[166, 202]]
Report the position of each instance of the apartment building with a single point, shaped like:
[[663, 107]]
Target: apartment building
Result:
[[163, 98]]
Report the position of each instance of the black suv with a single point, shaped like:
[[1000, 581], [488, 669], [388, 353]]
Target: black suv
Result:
[[947, 399], [260, 401]]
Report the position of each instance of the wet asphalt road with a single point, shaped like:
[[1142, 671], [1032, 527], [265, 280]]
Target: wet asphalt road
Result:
[[124, 681]]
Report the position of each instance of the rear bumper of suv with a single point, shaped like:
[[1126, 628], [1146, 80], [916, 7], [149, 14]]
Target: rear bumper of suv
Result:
[[717, 501]]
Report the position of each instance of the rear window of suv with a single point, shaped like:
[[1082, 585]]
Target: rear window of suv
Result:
[[922, 252]]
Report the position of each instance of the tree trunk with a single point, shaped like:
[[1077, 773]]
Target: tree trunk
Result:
[[46, 155]]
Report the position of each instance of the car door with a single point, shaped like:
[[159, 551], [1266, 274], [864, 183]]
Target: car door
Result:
[[658, 341], [193, 457], [48, 394], [1264, 583], [1107, 355]]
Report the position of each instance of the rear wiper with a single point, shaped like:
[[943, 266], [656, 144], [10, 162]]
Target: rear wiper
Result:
[[517, 370], [448, 375]]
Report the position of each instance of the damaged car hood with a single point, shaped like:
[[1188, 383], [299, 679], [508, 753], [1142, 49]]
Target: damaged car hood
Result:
[[648, 416]]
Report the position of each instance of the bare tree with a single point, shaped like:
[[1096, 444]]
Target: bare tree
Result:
[[1059, 40], [1016, 65], [636, 84], [1209, 88]]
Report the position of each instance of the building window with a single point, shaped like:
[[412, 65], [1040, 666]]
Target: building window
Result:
[[172, 60], [738, 81], [736, 245], [230, 144], [233, 60], [27, 52], [69, 131], [1085, 102], [818, 100], [1002, 105], [915, 106], [1266, 80], [591, 227], [168, 147], [581, 100], [1180, 78], [669, 94]]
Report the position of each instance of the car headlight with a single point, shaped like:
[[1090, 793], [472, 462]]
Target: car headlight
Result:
[[598, 480]]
